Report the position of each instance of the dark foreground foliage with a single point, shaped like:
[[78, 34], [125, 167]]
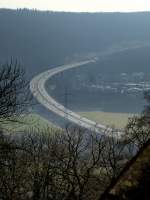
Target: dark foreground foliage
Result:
[[70, 164]]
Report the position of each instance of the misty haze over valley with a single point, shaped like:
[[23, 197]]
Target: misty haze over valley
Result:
[[74, 100], [119, 42]]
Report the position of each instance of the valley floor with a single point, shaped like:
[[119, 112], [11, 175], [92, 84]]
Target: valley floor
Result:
[[118, 120]]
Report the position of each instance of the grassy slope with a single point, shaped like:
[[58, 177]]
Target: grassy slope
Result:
[[31, 121], [119, 120]]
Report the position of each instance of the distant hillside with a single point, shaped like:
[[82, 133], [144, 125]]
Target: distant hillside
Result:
[[42, 39]]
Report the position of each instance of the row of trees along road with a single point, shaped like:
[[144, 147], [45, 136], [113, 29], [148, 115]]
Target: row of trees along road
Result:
[[53, 164]]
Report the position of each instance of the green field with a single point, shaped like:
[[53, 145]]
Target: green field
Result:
[[27, 122], [117, 120]]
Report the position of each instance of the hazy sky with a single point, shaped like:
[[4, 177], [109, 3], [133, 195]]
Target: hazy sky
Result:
[[79, 5]]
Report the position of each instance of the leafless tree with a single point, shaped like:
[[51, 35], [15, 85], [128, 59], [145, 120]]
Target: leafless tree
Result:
[[116, 154], [63, 165], [14, 100], [138, 128], [71, 164], [12, 169], [14, 91]]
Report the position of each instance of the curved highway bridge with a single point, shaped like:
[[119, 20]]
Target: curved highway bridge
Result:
[[37, 87]]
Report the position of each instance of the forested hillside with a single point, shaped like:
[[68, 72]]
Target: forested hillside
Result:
[[42, 39]]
